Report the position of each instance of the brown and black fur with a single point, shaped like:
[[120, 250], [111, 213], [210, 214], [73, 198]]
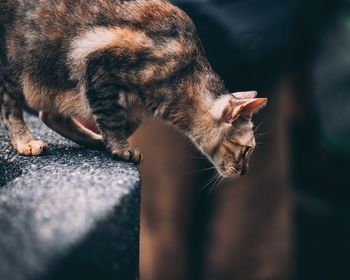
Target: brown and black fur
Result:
[[110, 61]]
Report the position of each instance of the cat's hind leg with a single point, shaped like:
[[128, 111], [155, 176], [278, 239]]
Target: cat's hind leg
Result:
[[21, 137]]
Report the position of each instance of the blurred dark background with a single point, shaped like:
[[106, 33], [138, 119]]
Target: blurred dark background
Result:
[[289, 218]]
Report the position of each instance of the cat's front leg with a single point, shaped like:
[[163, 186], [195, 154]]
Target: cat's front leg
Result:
[[110, 104], [21, 137]]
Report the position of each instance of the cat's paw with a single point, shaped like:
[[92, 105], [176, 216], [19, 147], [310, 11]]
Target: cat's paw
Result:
[[128, 153], [32, 148]]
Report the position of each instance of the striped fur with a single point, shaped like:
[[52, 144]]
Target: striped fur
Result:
[[114, 62]]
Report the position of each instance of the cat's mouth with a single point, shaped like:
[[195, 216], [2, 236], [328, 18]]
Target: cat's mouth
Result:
[[239, 169], [229, 173]]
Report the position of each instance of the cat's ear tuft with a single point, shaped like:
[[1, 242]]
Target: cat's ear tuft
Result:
[[245, 94]]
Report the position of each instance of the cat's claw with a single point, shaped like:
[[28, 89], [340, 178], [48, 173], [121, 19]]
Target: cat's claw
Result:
[[128, 153], [32, 148]]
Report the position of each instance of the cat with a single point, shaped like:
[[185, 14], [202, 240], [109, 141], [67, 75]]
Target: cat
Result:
[[93, 70]]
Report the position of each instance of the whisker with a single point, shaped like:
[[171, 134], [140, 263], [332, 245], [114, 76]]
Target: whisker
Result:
[[201, 170], [256, 128], [261, 134], [211, 180], [222, 181], [216, 184]]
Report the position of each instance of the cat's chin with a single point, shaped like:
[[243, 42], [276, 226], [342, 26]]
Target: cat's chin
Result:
[[228, 174]]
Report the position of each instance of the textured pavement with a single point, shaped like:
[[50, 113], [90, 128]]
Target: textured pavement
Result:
[[71, 214]]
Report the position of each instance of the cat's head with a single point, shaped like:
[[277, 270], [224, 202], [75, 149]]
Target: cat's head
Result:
[[235, 140]]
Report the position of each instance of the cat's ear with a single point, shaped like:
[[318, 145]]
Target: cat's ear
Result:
[[228, 108], [245, 94], [223, 108], [252, 106]]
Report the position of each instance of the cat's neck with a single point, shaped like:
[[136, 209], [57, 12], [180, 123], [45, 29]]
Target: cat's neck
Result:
[[189, 111]]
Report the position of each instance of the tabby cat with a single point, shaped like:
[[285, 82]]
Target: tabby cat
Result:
[[94, 69]]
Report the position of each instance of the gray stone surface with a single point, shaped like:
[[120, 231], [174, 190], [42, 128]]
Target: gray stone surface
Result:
[[71, 214]]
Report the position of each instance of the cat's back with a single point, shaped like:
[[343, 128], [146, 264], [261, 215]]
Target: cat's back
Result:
[[46, 28], [62, 18], [49, 41]]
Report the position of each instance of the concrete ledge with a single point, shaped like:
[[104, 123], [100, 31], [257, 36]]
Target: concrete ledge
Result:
[[72, 214]]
